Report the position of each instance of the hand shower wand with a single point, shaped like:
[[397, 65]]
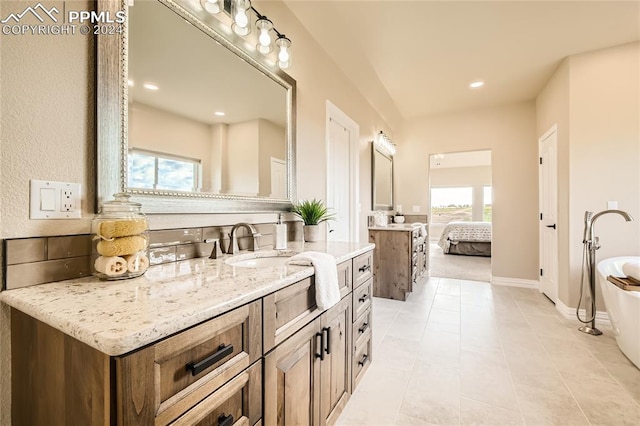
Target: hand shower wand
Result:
[[591, 244]]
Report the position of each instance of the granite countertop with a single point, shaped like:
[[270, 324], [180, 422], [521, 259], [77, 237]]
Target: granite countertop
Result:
[[396, 227], [117, 317]]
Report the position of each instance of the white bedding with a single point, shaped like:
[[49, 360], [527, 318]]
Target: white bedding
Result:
[[455, 232]]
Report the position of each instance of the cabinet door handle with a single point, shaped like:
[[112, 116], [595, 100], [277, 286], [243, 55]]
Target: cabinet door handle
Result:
[[225, 420], [364, 268], [363, 360], [363, 298], [552, 226], [198, 367], [327, 342], [321, 345], [363, 328]]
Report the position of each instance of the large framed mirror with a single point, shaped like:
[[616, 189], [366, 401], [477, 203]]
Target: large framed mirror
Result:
[[188, 121], [381, 179]]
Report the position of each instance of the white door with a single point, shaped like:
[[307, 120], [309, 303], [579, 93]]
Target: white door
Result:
[[278, 178], [548, 190], [342, 174]]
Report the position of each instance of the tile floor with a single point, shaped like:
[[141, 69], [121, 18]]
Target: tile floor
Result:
[[466, 352]]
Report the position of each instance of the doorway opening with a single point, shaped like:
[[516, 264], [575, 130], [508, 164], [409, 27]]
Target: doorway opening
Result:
[[460, 196]]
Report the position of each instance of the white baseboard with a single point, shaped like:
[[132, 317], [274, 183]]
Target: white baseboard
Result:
[[514, 282], [570, 313]]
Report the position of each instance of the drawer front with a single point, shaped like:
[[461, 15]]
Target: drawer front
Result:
[[361, 361], [237, 403], [362, 298], [362, 268], [288, 310], [345, 277], [362, 327], [192, 364]]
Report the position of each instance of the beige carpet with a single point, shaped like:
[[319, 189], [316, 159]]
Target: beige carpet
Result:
[[473, 268]]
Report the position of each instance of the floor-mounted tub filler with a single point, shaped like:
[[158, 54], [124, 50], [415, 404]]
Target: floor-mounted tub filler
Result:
[[591, 244], [623, 307]]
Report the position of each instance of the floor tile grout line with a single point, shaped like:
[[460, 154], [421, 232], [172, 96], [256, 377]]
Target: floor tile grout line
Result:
[[544, 348]]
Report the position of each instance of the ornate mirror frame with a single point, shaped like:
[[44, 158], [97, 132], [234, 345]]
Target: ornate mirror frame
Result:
[[112, 126]]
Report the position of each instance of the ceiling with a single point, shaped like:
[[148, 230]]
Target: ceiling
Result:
[[416, 58]]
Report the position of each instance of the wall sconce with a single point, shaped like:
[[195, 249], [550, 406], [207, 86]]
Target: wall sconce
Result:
[[384, 144], [240, 11]]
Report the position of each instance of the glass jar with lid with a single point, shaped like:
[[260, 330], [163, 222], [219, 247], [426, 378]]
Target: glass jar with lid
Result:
[[120, 235]]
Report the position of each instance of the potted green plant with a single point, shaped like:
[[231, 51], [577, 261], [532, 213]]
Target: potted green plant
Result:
[[312, 214]]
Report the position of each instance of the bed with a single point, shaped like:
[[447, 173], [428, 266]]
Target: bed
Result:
[[468, 238]]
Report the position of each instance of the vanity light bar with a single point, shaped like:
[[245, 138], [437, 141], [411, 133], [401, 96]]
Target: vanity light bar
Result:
[[240, 14], [384, 144]]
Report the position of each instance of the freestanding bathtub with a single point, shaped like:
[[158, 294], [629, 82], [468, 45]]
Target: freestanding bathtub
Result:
[[623, 307]]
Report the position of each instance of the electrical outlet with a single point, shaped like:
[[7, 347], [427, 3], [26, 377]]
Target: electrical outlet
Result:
[[54, 200]]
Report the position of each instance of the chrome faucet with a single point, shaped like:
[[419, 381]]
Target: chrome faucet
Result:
[[253, 242]]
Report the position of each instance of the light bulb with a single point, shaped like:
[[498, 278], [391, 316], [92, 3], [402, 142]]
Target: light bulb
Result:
[[264, 39], [283, 55], [211, 6], [241, 18]]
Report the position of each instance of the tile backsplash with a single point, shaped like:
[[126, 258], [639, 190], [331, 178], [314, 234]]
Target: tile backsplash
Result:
[[38, 260]]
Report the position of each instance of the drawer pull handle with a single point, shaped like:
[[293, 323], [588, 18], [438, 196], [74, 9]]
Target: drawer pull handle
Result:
[[363, 298], [363, 360], [198, 367], [327, 342], [225, 420], [321, 346], [364, 268], [363, 328]]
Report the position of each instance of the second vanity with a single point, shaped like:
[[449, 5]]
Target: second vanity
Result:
[[196, 342]]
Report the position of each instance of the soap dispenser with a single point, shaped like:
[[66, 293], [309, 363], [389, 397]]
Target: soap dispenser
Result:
[[280, 234]]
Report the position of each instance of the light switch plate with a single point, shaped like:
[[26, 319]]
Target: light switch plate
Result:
[[612, 205], [54, 200]]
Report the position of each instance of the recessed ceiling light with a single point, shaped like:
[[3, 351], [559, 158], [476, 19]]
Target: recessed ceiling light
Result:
[[476, 84], [130, 82], [150, 86], [219, 113]]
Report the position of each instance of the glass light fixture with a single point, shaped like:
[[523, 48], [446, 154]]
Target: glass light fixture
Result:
[[385, 144], [240, 10], [264, 25], [284, 54], [211, 6]]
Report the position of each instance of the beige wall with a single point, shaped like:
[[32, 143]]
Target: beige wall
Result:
[[600, 155], [510, 133], [271, 144]]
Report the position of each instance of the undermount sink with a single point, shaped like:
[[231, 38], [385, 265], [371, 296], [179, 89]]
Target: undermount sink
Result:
[[260, 259]]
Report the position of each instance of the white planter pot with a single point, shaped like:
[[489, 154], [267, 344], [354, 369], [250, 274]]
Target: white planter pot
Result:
[[311, 233]]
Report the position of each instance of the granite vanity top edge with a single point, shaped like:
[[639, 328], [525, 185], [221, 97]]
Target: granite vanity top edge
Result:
[[119, 317]]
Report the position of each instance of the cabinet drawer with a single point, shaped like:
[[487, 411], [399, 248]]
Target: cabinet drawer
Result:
[[288, 310], [345, 277], [362, 327], [361, 361], [362, 298], [237, 403], [175, 374], [362, 268]]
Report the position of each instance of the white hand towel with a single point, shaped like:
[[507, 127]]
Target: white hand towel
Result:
[[632, 269], [423, 229], [327, 287]]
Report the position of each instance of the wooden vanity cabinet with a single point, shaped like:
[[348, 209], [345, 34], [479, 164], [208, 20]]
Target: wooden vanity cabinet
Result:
[[399, 260], [307, 376], [204, 372]]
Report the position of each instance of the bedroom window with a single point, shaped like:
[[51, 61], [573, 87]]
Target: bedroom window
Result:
[[451, 204], [487, 204], [152, 170]]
